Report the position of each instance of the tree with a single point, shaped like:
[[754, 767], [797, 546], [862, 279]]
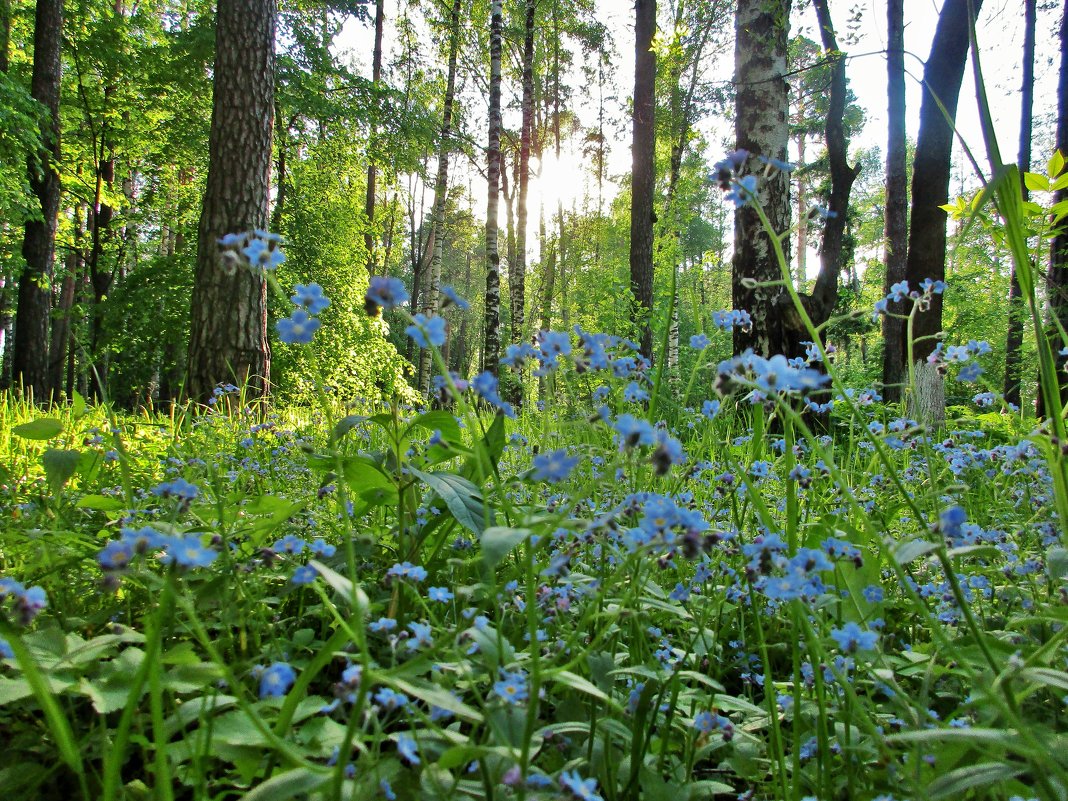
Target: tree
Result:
[[896, 212], [441, 188], [372, 169], [1014, 336], [1057, 275], [30, 360], [942, 77], [762, 128], [228, 340], [643, 173], [491, 353]]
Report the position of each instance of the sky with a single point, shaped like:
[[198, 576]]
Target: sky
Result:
[[1000, 34]]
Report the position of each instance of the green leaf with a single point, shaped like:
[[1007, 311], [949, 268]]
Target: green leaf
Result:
[[77, 405], [1055, 166], [435, 696], [498, 541], [346, 424], [343, 586], [487, 453], [909, 550], [461, 496], [1057, 563], [957, 782], [100, 503], [1046, 676], [59, 466], [1035, 182], [576, 682], [40, 429], [292, 783], [977, 735], [437, 420]]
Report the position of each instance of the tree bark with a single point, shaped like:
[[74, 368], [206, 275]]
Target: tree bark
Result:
[[931, 168], [643, 172], [895, 223], [228, 340], [441, 189], [1057, 275], [761, 127], [372, 169], [492, 349], [1014, 335], [30, 359], [517, 269]]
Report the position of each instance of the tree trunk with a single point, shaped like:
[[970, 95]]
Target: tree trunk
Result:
[[61, 324], [30, 360], [820, 304], [492, 349], [931, 168], [643, 172], [228, 340], [372, 170], [517, 269], [895, 223], [1014, 335], [1057, 276], [432, 287], [761, 127]]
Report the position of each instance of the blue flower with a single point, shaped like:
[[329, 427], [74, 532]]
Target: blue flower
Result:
[[970, 373], [305, 574], [420, 636], [427, 331], [383, 624], [389, 699], [298, 328], [512, 687], [310, 297], [851, 638], [440, 594], [5, 649], [699, 342], [322, 548], [407, 570], [188, 551], [116, 555], [453, 298], [579, 788], [276, 680], [554, 467], [384, 292], [179, 488], [408, 749], [264, 253], [743, 190], [290, 543], [633, 393]]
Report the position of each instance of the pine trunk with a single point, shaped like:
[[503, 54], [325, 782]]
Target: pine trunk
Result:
[[896, 216], [30, 360], [1057, 276], [643, 172], [228, 341], [518, 268], [372, 170]]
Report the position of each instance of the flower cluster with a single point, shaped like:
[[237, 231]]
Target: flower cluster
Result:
[[767, 377], [900, 292], [28, 603], [301, 325], [384, 293], [258, 250]]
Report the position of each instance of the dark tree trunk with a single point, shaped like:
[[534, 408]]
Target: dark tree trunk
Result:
[[517, 269], [61, 325], [1014, 335], [820, 304], [1057, 277], [492, 350], [930, 171], [228, 339], [896, 217], [643, 171], [30, 360], [761, 127], [372, 170]]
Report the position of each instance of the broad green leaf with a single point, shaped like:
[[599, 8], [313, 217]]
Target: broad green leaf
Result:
[[462, 497], [1055, 166], [1035, 182], [439, 420], [346, 424], [59, 466], [435, 696], [100, 503], [77, 405], [958, 782], [40, 429], [576, 682], [1047, 676], [291, 784], [343, 586], [1057, 562], [487, 453], [909, 550], [498, 541]]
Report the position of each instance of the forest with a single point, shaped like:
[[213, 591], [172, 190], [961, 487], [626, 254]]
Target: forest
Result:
[[608, 400]]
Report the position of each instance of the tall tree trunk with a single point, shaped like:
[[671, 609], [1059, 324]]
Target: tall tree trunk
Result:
[[895, 223], [820, 304], [517, 269], [1014, 335], [931, 169], [372, 169], [61, 326], [492, 350], [431, 288], [643, 171], [1057, 276], [5, 301], [228, 340], [802, 214], [30, 359], [761, 127]]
